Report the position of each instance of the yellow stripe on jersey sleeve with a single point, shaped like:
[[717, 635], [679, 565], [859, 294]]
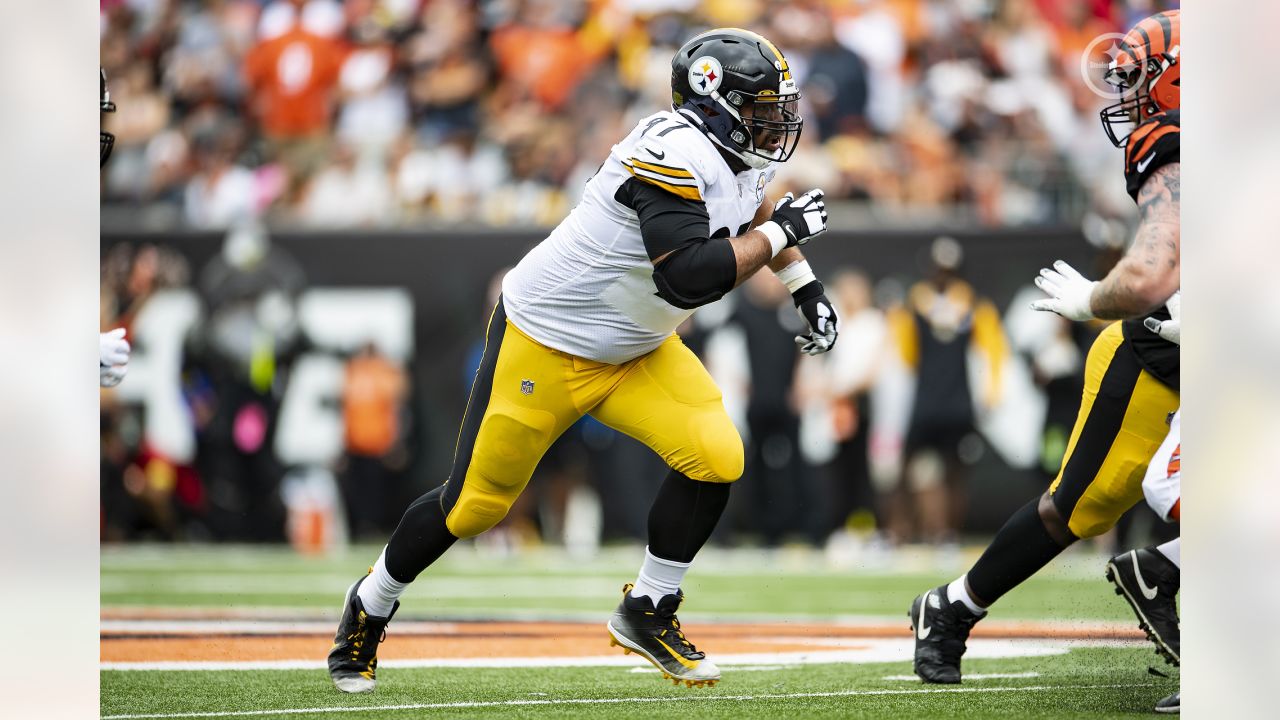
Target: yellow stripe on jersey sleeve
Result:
[[667, 170], [671, 185]]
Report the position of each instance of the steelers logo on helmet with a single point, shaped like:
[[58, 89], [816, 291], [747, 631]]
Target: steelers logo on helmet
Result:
[[705, 75], [737, 87]]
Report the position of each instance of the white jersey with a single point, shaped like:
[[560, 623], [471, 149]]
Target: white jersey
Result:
[[587, 289]]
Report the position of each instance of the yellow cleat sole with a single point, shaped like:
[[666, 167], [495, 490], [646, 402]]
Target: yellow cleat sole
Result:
[[665, 675]]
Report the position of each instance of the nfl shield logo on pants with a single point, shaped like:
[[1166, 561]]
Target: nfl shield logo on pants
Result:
[[526, 387]]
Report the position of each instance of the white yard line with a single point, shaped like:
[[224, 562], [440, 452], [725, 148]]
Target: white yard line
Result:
[[869, 650], [972, 676], [617, 701]]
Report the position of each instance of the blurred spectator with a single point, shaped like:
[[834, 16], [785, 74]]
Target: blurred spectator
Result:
[[221, 192], [372, 405], [350, 190], [292, 77], [450, 70], [952, 339], [544, 50], [374, 109], [851, 369], [779, 497], [236, 367]]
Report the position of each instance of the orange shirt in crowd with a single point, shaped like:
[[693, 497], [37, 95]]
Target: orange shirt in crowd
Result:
[[550, 62], [291, 82], [371, 405]]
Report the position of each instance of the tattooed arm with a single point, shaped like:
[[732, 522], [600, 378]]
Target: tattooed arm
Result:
[[1149, 272]]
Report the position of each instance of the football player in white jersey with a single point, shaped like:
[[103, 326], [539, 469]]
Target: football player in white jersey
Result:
[[674, 218], [113, 349]]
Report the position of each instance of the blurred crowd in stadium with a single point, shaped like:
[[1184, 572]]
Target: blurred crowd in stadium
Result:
[[315, 114], [382, 112]]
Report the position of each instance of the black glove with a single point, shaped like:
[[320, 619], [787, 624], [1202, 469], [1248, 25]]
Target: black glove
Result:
[[801, 218], [819, 315]]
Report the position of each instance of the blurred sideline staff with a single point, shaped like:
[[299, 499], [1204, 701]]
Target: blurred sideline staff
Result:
[[953, 341]]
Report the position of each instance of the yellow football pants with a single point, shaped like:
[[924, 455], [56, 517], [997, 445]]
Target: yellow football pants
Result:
[[526, 394], [1124, 416]]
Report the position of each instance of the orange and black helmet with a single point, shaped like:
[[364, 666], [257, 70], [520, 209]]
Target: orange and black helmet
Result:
[[1146, 69]]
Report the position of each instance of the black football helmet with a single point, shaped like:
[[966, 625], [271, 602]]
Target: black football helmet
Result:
[[738, 87], [106, 139]]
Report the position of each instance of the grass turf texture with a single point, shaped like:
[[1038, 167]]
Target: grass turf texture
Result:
[[723, 585], [1093, 682], [1087, 682]]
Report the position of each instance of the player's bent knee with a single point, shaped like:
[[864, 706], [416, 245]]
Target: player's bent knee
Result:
[[475, 513], [1093, 519], [720, 452], [508, 446]]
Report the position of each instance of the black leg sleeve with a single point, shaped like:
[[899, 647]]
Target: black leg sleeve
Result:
[[1017, 552], [683, 516], [420, 538]]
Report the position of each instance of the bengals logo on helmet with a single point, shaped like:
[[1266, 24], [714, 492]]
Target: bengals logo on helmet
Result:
[[1147, 69]]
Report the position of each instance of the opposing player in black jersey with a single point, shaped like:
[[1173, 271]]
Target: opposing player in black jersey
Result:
[[1131, 375]]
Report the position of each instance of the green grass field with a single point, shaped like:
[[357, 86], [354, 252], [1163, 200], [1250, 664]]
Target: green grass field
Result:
[[1067, 679]]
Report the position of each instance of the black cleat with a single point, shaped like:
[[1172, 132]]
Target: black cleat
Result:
[[941, 628], [655, 635], [1149, 582], [353, 659], [1171, 705]]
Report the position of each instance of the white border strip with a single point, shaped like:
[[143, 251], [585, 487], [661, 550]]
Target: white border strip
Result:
[[616, 701]]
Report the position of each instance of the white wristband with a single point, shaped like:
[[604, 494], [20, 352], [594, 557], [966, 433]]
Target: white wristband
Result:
[[796, 275], [777, 236]]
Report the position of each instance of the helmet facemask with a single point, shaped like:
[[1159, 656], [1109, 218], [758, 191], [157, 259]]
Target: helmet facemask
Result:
[[106, 140], [769, 127], [1139, 84]]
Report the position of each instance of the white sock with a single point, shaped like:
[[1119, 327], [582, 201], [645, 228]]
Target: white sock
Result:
[[1173, 551], [659, 578], [957, 591], [379, 591]]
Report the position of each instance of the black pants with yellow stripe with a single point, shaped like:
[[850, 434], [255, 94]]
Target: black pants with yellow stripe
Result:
[[1124, 416]]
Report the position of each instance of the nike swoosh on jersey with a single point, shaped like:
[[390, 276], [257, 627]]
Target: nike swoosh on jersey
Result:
[[660, 155], [1147, 591], [1142, 164], [922, 630]]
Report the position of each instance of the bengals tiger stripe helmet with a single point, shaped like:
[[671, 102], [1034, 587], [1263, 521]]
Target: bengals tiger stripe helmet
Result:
[[1147, 72], [105, 139]]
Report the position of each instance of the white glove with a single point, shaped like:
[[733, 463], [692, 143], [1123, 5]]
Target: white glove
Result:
[[1069, 292], [1170, 329], [113, 357]]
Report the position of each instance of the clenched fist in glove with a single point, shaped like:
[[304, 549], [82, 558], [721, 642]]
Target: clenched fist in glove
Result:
[[800, 218], [113, 357], [819, 315]]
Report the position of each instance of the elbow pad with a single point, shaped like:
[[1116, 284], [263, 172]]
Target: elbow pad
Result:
[[697, 274]]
